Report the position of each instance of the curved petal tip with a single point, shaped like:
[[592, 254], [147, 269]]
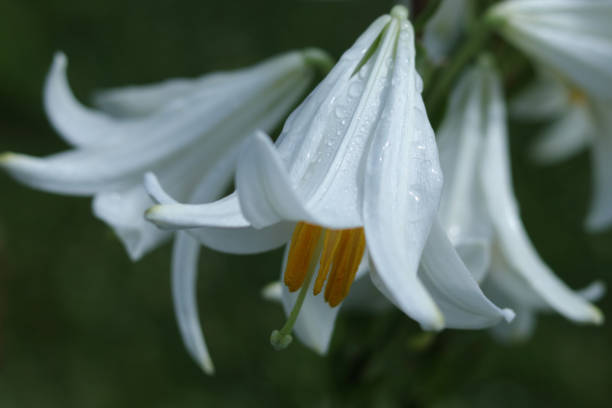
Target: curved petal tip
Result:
[[597, 315], [508, 315], [435, 324], [6, 157], [318, 59], [206, 364], [155, 190], [272, 292], [60, 60], [153, 214]]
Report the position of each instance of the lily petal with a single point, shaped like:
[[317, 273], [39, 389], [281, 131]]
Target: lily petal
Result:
[[506, 287], [123, 210], [402, 187], [543, 99], [319, 151], [77, 124], [567, 136], [460, 142], [261, 94], [227, 230], [264, 189], [140, 100], [476, 255], [513, 239], [454, 289], [571, 36], [184, 278]]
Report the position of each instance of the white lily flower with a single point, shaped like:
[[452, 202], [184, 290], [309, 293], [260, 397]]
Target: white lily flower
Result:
[[578, 122], [445, 28], [573, 37], [356, 168], [189, 131], [480, 212]]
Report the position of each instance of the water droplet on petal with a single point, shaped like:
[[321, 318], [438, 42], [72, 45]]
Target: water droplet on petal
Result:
[[355, 89]]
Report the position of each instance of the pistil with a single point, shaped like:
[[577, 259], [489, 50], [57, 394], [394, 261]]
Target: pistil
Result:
[[280, 339]]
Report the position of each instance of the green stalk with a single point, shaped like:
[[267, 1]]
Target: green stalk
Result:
[[425, 15], [476, 39]]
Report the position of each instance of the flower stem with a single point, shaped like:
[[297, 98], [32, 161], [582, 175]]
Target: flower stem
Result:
[[425, 15], [476, 39]]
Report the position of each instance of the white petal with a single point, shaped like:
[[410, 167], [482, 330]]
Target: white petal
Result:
[[594, 292], [401, 191], [476, 255], [454, 289], [226, 229], [507, 288], [445, 28], [572, 36], [565, 137], [322, 144], [545, 98], [210, 120], [315, 323], [184, 290], [521, 328], [74, 172], [513, 239], [141, 100], [77, 124], [273, 291], [509, 281], [600, 212], [123, 211], [264, 190], [222, 213], [462, 211], [261, 88]]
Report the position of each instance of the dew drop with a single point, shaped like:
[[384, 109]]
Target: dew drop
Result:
[[355, 89]]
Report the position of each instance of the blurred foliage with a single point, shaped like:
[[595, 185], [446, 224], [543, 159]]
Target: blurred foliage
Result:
[[81, 326]]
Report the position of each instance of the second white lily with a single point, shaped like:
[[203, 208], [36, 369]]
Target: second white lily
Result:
[[579, 122], [189, 131], [480, 212]]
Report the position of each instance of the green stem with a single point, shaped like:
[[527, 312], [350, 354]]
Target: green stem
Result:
[[476, 39], [423, 17]]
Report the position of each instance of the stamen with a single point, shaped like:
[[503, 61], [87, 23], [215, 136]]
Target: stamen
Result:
[[347, 257], [332, 240], [303, 244], [340, 253]]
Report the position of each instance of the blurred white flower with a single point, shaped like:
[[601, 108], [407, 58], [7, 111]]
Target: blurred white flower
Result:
[[445, 28], [188, 131], [578, 122], [573, 37], [480, 212], [356, 167]]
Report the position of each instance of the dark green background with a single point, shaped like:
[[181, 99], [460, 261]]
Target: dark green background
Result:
[[81, 326]]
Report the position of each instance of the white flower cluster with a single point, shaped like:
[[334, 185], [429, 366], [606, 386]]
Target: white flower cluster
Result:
[[353, 186]]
